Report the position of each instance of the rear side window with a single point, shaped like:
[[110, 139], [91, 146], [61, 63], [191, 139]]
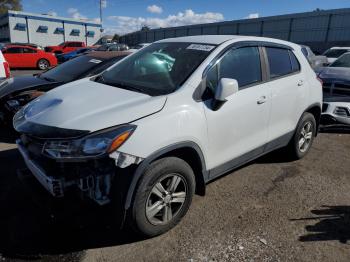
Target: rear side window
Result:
[[281, 62], [14, 50], [242, 64]]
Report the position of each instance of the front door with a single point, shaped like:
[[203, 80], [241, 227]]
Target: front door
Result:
[[238, 130]]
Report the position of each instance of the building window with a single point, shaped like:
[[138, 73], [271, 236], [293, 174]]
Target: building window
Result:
[[20, 27], [90, 33], [42, 29], [59, 30], [75, 32]]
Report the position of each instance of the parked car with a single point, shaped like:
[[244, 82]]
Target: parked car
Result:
[[67, 56], [4, 68], [314, 60], [65, 47], [112, 47], [154, 128], [333, 53], [19, 56], [18, 91], [336, 92], [138, 46]]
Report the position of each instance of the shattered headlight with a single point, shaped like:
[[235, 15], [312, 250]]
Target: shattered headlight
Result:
[[93, 145]]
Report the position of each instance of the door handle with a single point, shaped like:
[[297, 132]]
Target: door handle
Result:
[[262, 100], [300, 83]]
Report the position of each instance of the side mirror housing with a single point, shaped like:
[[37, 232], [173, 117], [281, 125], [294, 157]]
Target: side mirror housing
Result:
[[226, 88]]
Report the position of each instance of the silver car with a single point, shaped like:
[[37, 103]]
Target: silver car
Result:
[[336, 92]]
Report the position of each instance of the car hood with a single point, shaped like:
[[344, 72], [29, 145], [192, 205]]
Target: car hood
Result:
[[91, 106], [335, 73], [19, 83]]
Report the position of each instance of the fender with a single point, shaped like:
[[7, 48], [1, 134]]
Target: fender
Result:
[[145, 163]]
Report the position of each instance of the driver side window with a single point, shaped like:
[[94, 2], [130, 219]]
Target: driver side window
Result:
[[242, 64]]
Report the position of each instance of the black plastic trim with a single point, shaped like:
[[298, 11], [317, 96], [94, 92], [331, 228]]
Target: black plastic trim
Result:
[[146, 162]]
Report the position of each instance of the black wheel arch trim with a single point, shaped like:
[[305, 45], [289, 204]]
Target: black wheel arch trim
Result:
[[318, 121], [157, 154]]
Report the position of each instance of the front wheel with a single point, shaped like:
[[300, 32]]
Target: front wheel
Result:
[[304, 135], [43, 64], [163, 196]]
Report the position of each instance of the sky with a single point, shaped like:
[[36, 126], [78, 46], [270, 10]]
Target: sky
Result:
[[125, 16]]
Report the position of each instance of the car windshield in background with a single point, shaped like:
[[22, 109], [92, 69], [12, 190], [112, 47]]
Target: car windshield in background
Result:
[[71, 69], [343, 61], [335, 53], [158, 69]]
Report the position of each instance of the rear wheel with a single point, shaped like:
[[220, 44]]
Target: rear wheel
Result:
[[163, 196], [304, 135], [43, 64]]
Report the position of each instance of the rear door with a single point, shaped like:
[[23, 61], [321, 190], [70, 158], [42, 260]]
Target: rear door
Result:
[[289, 90], [13, 56]]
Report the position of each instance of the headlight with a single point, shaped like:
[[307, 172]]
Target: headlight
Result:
[[96, 144]]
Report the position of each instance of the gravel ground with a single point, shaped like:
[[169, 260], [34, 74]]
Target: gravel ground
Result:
[[269, 210]]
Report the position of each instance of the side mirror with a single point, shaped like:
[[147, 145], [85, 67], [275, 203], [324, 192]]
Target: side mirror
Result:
[[226, 87]]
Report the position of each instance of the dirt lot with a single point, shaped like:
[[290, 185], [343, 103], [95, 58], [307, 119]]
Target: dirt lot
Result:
[[269, 210]]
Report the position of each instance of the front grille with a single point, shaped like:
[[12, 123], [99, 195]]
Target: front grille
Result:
[[324, 107], [334, 88], [342, 111]]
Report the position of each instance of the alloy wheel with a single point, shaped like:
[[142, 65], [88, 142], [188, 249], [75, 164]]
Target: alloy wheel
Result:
[[166, 199], [305, 137]]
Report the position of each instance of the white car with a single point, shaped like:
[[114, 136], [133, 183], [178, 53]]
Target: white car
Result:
[[333, 53], [153, 129], [4, 68]]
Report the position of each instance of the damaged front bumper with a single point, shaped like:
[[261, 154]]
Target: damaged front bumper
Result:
[[93, 178]]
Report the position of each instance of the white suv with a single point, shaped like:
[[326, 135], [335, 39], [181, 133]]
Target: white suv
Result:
[[4, 67], [153, 129]]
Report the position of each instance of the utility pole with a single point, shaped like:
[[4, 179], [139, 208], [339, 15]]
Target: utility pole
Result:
[[101, 11]]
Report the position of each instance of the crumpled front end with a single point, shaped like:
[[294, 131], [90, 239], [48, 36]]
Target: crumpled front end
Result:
[[92, 178]]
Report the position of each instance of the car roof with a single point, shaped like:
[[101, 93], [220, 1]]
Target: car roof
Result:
[[27, 46], [219, 39], [107, 54]]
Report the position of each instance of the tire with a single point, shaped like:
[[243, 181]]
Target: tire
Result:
[[153, 214], [43, 64], [305, 131]]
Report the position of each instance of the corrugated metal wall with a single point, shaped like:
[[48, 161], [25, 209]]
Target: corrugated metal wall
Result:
[[320, 29]]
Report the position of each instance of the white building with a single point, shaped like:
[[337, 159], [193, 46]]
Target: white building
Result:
[[45, 30]]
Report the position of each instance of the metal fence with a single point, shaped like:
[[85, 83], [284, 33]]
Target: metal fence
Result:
[[319, 29]]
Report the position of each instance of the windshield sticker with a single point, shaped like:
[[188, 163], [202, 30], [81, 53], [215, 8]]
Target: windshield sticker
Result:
[[206, 48], [95, 61]]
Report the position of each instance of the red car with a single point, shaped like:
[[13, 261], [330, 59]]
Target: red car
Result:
[[19, 56], [65, 47]]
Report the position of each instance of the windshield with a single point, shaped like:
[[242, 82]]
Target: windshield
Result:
[[343, 61], [71, 69], [335, 53], [158, 69]]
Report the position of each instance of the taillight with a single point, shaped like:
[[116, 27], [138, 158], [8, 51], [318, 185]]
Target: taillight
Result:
[[7, 69], [320, 80]]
